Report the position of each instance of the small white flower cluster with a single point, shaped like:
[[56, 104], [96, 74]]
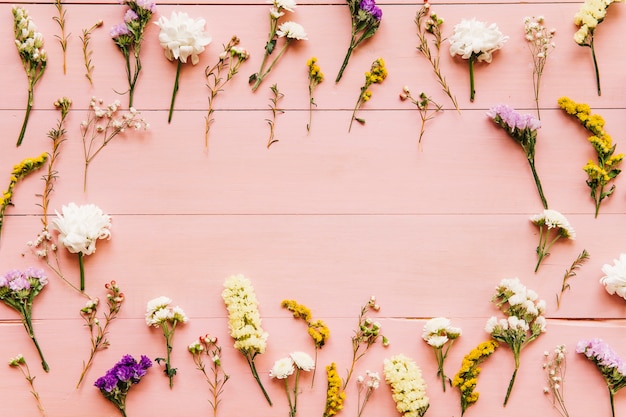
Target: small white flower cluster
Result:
[[371, 381], [28, 40], [182, 37], [278, 6], [554, 220], [407, 385], [474, 39], [286, 366], [159, 311], [538, 36], [81, 226], [614, 279], [105, 118], [589, 16], [42, 244], [438, 331], [244, 319]]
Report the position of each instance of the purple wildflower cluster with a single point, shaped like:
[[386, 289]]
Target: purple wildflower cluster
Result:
[[503, 114], [119, 30], [17, 280], [369, 6], [603, 356], [123, 375]]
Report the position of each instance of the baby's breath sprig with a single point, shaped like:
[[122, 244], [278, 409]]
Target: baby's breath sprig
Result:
[[571, 273], [98, 332], [208, 345], [555, 367], [20, 362], [88, 52], [375, 75], [540, 44], [431, 23], [316, 76], [424, 105], [60, 19], [276, 97], [229, 60]]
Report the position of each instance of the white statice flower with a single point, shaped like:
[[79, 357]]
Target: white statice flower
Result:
[[407, 385], [303, 361], [288, 5], [244, 319], [157, 304], [614, 279], [475, 39], [182, 37], [554, 220], [80, 227], [159, 311], [282, 368], [291, 30], [438, 330], [491, 324]]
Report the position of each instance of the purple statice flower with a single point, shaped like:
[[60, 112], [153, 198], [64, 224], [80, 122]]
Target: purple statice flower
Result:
[[146, 5], [513, 119], [600, 352], [119, 30], [370, 7], [37, 273], [117, 381], [107, 382], [19, 283], [130, 16], [7, 278]]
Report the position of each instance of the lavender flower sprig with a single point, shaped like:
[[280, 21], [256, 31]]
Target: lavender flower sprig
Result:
[[612, 367]]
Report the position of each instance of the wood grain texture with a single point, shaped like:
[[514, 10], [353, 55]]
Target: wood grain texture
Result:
[[327, 218]]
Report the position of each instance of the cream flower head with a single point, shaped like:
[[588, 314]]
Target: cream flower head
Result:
[[291, 30], [182, 37], [303, 361], [614, 280], [473, 37], [555, 220], [80, 226], [437, 331], [282, 368]]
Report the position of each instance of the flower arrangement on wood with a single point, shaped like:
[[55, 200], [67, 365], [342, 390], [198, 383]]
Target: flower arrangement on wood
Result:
[[244, 322], [18, 290], [375, 75], [208, 345], [611, 366], [79, 228], [540, 44], [552, 226], [117, 382], [182, 37], [467, 377], [614, 279], [475, 41], [20, 362], [29, 43], [366, 17], [555, 366], [439, 334], [524, 323], [588, 17], [523, 129], [160, 314], [128, 37], [292, 365], [408, 387], [289, 30]]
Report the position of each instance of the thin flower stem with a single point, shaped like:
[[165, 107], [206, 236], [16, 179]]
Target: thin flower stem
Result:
[[471, 75], [345, 60], [508, 391], [81, 265], [612, 402], [595, 65], [256, 376], [262, 75], [169, 117], [31, 333], [29, 106], [531, 161], [31, 382]]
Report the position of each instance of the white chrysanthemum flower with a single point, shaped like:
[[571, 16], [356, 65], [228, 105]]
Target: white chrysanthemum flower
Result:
[[157, 304], [437, 331], [179, 315], [288, 5], [282, 368], [81, 226], [554, 220], [473, 37], [182, 37], [303, 361], [407, 385], [291, 30], [614, 279]]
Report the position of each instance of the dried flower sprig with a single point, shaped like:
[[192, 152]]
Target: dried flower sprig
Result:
[[407, 385], [316, 76], [540, 44], [128, 37], [467, 377], [555, 367], [276, 97], [317, 329], [548, 221], [588, 17], [34, 58], [230, 59], [571, 273], [611, 366], [375, 75], [244, 322], [87, 53], [438, 333], [524, 323], [208, 345], [160, 314], [366, 17], [20, 171], [424, 105], [429, 22], [290, 365], [20, 362], [601, 173], [98, 332], [335, 394], [103, 124], [366, 387], [18, 290], [60, 19], [365, 336], [614, 279]]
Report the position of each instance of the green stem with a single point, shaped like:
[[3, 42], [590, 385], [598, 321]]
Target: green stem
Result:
[[169, 118], [510, 388], [168, 364], [81, 265], [29, 106], [123, 411], [471, 74], [256, 376], [345, 61], [262, 75], [531, 161], [31, 333], [440, 358], [595, 65]]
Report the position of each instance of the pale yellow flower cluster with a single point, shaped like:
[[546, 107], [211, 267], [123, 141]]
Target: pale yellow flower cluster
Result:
[[407, 386], [591, 13], [244, 320]]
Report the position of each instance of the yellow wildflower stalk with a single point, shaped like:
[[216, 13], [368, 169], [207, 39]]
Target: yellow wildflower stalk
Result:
[[375, 75], [335, 394], [315, 77], [467, 377]]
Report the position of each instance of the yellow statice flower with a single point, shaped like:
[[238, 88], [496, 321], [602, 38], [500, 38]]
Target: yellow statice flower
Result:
[[467, 377], [334, 394], [299, 311], [315, 77], [376, 75]]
